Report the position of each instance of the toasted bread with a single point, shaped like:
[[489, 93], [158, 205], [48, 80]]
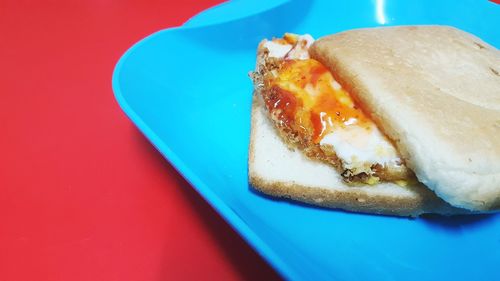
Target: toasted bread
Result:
[[435, 91]]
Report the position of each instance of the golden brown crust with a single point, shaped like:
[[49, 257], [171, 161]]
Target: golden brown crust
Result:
[[290, 133]]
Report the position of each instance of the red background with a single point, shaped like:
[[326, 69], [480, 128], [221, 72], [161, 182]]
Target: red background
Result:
[[83, 195]]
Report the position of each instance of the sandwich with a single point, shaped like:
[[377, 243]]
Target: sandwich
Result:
[[394, 120]]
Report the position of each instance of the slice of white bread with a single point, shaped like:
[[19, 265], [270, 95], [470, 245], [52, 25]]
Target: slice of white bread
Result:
[[435, 91], [276, 170]]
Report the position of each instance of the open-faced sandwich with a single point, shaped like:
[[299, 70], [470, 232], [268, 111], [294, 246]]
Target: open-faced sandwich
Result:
[[395, 120]]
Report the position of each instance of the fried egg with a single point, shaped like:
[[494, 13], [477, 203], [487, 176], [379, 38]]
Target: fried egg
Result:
[[305, 97]]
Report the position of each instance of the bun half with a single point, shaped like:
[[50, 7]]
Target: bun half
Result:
[[435, 91]]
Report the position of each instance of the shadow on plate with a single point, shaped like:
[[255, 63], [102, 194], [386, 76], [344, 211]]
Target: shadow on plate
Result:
[[457, 222], [442, 221]]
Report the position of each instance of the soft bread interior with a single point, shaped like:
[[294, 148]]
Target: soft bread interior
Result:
[[435, 91], [276, 170]]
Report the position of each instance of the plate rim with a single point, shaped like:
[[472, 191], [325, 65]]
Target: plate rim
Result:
[[224, 210]]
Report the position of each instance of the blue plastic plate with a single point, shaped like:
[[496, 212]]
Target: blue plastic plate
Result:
[[188, 91]]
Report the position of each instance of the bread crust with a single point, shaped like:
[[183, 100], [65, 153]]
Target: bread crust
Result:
[[435, 91], [414, 201]]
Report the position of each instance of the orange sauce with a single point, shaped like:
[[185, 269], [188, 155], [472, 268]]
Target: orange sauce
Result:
[[306, 95], [284, 101], [316, 72]]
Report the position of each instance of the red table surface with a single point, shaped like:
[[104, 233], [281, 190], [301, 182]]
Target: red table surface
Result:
[[83, 195]]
